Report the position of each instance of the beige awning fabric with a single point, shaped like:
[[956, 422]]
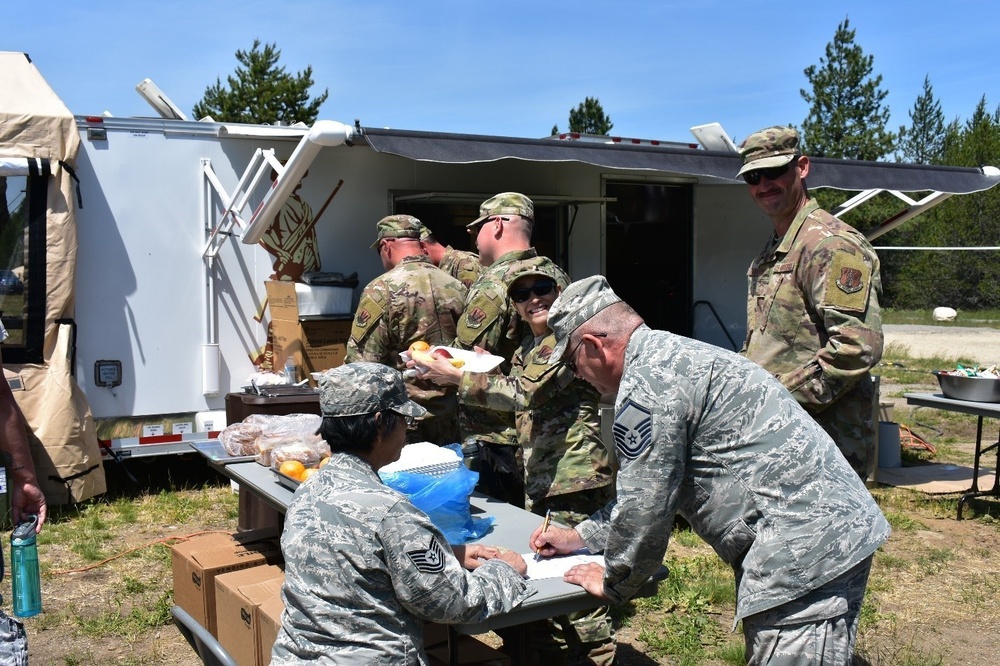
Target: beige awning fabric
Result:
[[34, 123]]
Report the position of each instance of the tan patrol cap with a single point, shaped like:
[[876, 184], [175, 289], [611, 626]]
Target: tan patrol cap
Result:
[[769, 147], [505, 203], [397, 226]]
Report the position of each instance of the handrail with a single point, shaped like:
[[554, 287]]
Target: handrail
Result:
[[717, 319]]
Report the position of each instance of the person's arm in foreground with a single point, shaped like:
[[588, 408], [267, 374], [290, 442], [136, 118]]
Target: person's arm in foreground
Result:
[[26, 497]]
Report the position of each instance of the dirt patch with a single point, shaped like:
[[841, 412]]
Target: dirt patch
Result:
[[981, 345]]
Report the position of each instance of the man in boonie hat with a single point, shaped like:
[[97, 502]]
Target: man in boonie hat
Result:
[[708, 434], [813, 318], [395, 310], [347, 600], [503, 237]]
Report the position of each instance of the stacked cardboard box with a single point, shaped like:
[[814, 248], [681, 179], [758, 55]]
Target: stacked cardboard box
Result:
[[313, 345], [197, 562], [238, 597]]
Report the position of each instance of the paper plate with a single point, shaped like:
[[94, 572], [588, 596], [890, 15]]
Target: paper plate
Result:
[[473, 362]]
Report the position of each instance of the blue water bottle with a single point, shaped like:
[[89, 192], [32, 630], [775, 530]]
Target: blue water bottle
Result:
[[26, 582]]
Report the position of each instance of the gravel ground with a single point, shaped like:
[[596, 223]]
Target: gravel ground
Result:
[[978, 344]]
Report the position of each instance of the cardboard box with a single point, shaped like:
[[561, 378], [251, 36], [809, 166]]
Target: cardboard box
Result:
[[314, 345], [197, 561], [237, 596], [471, 652], [268, 616]]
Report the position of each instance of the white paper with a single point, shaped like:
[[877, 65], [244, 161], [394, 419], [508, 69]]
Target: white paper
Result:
[[555, 567]]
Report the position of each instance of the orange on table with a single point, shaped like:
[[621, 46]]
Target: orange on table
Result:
[[323, 462], [307, 473], [292, 468]]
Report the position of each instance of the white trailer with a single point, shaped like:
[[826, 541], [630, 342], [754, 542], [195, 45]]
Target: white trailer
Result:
[[170, 274]]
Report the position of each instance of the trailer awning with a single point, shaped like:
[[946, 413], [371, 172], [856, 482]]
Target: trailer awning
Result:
[[838, 174]]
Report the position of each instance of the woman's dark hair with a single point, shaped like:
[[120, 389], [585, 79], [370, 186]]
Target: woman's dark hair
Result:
[[356, 434]]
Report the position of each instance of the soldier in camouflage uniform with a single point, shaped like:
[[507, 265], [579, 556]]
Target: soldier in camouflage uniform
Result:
[[705, 433], [813, 317], [461, 265], [364, 568], [412, 301], [503, 235], [567, 469]]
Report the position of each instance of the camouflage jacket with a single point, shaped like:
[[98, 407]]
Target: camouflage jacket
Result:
[[813, 321], [707, 434], [461, 265], [364, 568], [557, 418], [491, 322], [413, 301]]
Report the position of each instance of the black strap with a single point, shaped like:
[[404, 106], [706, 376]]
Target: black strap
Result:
[[72, 174]]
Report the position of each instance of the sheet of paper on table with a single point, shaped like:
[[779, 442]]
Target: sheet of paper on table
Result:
[[555, 567]]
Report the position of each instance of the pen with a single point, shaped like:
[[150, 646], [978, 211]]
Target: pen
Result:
[[545, 526]]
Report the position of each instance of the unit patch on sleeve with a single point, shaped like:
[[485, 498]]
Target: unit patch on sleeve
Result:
[[429, 560], [633, 429], [848, 281]]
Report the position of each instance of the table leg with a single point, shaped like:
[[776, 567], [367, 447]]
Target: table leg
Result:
[[974, 491]]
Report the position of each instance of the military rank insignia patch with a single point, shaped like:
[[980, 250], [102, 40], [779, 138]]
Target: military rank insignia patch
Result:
[[633, 429], [429, 560]]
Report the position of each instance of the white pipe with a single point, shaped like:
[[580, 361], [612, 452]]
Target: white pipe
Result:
[[325, 133]]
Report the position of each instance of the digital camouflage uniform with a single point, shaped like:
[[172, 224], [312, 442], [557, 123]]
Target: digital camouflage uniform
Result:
[[364, 569], [813, 321], [413, 301], [461, 265], [702, 432]]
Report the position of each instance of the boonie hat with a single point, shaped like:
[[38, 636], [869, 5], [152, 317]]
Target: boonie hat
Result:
[[364, 388], [578, 303], [397, 226], [505, 203], [770, 147]]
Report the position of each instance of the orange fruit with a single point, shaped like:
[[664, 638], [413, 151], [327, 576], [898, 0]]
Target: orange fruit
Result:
[[419, 345], [323, 462], [292, 468], [307, 473]]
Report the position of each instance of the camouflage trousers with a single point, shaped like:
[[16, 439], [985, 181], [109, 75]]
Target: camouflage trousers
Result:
[[586, 637], [818, 629]]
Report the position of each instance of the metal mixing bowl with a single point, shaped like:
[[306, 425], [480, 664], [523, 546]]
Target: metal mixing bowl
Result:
[[976, 389]]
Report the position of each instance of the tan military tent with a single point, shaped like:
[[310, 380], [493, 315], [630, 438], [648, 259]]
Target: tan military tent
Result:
[[39, 142]]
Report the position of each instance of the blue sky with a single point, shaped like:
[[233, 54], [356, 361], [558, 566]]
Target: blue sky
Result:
[[515, 68]]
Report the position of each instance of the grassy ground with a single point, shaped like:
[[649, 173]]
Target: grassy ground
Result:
[[107, 586]]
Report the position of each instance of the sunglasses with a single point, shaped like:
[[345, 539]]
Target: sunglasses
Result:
[[773, 173], [540, 288], [570, 359], [474, 231]]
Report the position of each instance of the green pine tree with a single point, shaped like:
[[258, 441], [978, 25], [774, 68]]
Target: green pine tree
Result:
[[923, 141], [847, 118], [588, 118], [260, 91]]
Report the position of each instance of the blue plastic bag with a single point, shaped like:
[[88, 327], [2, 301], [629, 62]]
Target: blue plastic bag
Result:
[[445, 499]]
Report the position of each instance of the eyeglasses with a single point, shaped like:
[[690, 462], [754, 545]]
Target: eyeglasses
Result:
[[474, 231], [409, 420], [540, 288], [773, 173], [570, 361]]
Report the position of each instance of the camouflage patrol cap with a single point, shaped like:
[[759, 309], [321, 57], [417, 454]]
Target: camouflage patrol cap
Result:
[[397, 226], [505, 203], [541, 266], [769, 147], [364, 388], [575, 306]]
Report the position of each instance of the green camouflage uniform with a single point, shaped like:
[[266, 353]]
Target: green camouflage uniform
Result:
[[414, 301], [813, 321], [566, 469], [490, 321], [461, 265]]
